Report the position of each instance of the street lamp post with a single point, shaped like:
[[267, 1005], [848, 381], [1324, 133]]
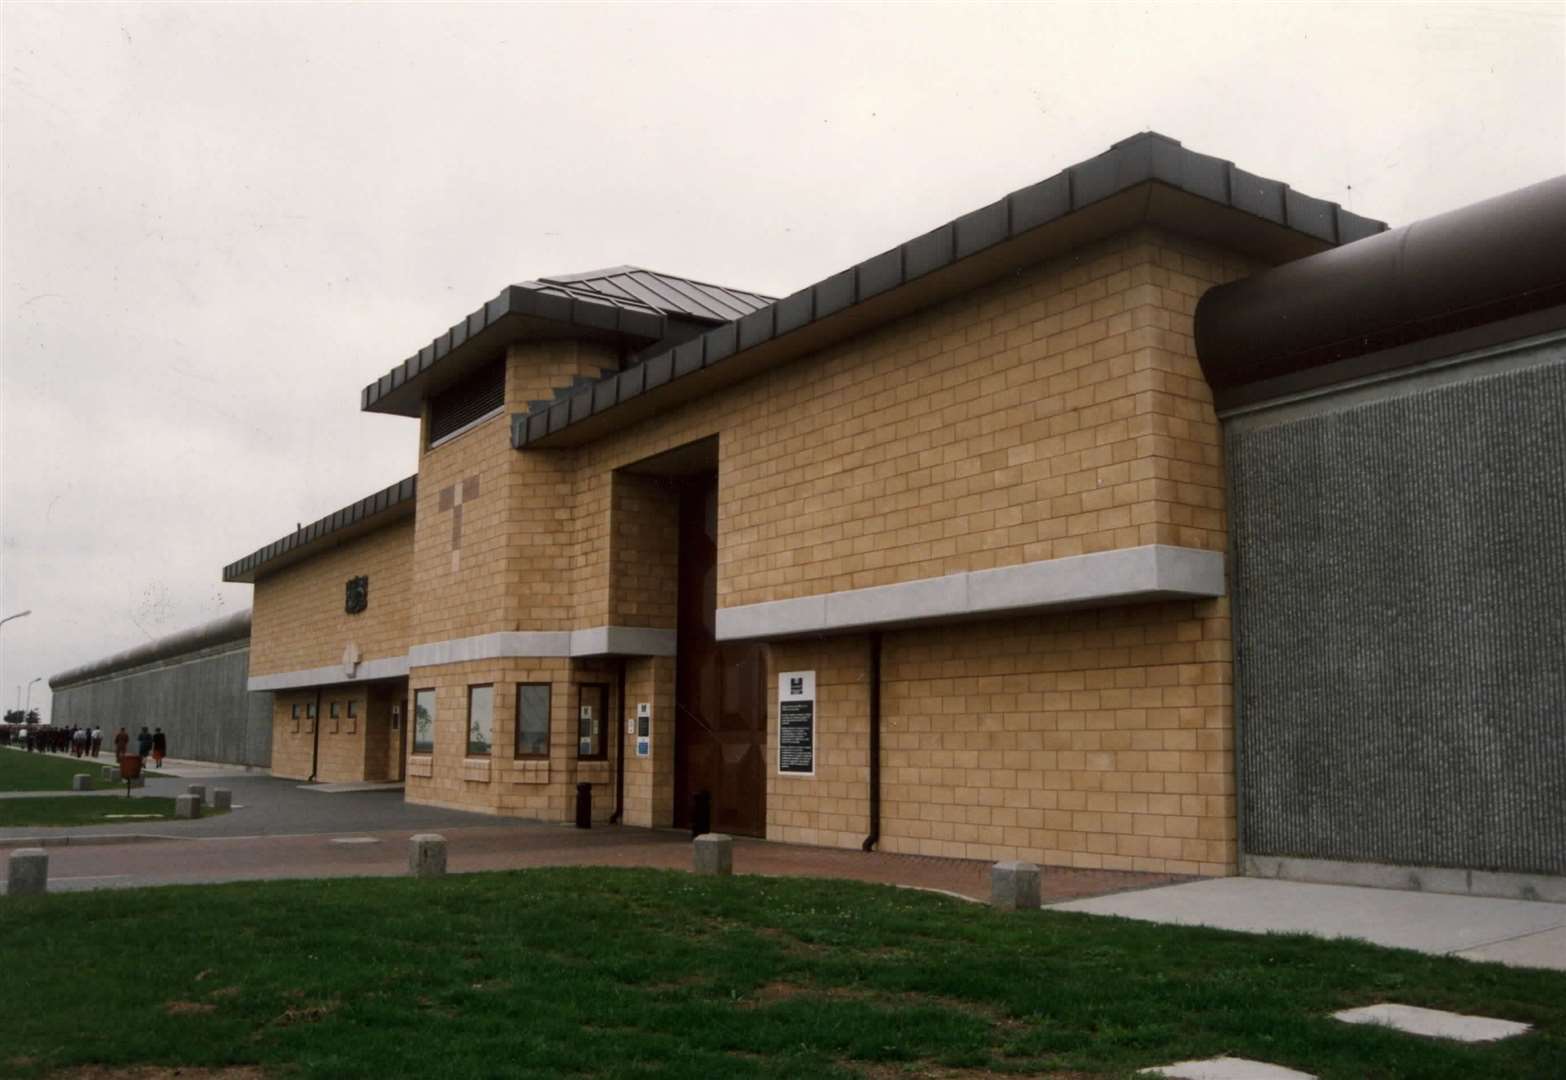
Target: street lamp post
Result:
[[29, 706], [18, 615]]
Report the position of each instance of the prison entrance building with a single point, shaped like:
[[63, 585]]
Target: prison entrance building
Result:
[[940, 554]]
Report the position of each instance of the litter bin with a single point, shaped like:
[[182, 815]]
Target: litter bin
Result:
[[701, 813], [130, 767], [584, 806]]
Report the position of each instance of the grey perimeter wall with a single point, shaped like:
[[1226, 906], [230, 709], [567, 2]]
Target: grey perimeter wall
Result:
[[199, 700], [1400, 604]]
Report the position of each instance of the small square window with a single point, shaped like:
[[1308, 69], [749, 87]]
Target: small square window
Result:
[[333, 707], [353, 710]]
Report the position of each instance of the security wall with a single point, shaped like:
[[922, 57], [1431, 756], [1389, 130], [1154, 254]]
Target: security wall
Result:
[[1400, 603], [199, 700]]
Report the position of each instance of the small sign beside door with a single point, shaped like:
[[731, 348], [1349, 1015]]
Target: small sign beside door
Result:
[[797, 723]]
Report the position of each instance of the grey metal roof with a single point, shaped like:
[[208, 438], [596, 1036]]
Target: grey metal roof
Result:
[[372, 511], [624, 304], [1207, 195], [679, 296], [220, 631]]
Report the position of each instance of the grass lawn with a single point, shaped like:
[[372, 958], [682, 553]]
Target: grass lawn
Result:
[[105, 809], [21, 771], [643, 973]]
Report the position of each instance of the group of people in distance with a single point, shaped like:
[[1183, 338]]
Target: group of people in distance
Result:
[[84, 742]]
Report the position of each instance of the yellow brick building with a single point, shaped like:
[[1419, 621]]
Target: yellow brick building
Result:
[[928, 556]]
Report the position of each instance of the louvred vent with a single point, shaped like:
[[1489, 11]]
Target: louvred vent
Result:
[[482, 392]]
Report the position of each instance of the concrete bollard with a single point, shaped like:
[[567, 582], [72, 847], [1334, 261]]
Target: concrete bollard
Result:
[[28, 872], [198, 790], [714, 853], [1014, 886], [81, 782], [187, 806], [110, 773], [427, 855], [222, 799]]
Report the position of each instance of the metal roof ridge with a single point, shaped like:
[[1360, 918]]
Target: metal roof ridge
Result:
[[1144, 157]]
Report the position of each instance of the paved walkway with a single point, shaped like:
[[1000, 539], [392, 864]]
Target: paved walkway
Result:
[[512, 846], [1520, 933]]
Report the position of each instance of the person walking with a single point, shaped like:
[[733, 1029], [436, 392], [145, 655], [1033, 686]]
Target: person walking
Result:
[[160, 747], [97, 741], [121, 742], [144, 742]]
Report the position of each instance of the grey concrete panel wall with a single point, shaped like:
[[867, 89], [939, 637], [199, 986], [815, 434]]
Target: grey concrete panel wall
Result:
[[201, 703], [1400, 603]]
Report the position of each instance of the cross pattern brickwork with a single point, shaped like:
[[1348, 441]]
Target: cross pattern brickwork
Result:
[[452, 498]]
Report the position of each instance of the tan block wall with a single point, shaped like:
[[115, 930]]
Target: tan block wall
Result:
[[298, 621], [649, 781], [343, 752], [292, 739], [517, 533], [831, 808], [543, 790], [1057, 412], [1101, 739], [644, 552]]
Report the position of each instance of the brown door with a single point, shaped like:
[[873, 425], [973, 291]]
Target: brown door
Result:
[[720, 732]]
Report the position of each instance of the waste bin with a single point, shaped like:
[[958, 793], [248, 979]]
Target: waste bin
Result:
[[584, 806]]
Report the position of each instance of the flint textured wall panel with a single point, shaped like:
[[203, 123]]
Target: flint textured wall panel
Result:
[[200, 702], [1400, 597]]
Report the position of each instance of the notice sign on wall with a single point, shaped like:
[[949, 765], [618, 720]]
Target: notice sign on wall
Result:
[[797, 723]]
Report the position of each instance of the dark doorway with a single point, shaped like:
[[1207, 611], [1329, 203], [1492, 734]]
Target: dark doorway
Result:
[[720, 690]]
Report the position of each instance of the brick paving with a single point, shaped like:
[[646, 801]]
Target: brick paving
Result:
[[518, 845]]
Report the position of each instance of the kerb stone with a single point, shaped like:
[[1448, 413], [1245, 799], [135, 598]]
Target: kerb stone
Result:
[[1014, 886], [187, 806], [427, 855], [713, 853], [27, 872]]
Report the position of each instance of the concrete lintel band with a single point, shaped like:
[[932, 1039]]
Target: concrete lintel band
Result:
[[1152, 572], [389, 667], [595, 641]]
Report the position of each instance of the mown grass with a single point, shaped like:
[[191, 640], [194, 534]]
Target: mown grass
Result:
[[643, 973], [88, 810], [21, 771]]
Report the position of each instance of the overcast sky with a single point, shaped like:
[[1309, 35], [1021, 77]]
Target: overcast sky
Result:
[[221, 221]]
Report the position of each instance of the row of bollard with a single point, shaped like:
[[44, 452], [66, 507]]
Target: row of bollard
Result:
[[1014, 886]]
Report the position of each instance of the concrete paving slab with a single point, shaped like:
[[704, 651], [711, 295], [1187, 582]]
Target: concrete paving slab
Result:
[[1433, 1023], [339, 789], [1546, 950], [1427, 922], [1227, 1068]]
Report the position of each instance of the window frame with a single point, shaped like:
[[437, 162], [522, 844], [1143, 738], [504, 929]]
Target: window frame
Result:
[[472, 753], [427, 748], [549, 705]]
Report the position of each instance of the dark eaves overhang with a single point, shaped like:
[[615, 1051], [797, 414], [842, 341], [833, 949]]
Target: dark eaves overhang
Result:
[[1148, 179], [372, 512], [528, 312], [1491, 272]]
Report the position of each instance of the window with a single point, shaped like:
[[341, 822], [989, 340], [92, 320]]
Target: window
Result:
[[296, 711], [471, 399], [533, 720], [310, 711], [353, 710], [424, 722], [481, 720], [332, 710], [592, 705]]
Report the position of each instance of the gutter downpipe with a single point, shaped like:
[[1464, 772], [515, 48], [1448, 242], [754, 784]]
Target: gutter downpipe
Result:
[[619, 748], [315, 743], [875, 742]]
